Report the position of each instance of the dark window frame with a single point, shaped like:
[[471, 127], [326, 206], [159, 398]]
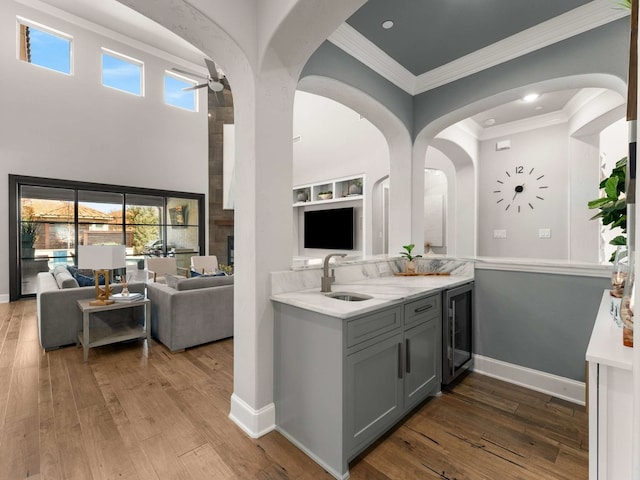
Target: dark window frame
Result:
[[16, 181]]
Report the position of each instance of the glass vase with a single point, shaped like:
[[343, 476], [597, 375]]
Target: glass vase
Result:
[[627, 303], [620, 271]]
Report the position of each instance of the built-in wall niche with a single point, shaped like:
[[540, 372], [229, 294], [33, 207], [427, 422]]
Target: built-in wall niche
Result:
[[337, 190], [329, 239]]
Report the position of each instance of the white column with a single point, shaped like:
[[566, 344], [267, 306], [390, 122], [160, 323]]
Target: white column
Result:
[[401, 197], [263, 243]]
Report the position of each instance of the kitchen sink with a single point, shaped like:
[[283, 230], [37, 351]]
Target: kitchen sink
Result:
[[348, 296]]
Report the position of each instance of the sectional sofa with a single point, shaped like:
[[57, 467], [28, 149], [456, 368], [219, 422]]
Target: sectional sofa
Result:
[[186, 312], [59, 318]]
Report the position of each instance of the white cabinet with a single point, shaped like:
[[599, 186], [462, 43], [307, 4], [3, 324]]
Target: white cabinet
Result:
[[341, 189], [610, 399]]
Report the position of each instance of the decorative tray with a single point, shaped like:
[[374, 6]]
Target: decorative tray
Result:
[[422, 274]]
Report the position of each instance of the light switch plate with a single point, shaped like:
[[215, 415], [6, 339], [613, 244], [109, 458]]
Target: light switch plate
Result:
[[544, 233], [499, 234]]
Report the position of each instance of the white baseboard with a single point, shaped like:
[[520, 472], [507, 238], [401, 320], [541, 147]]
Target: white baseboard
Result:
[[4, 298], [560, 387], [255, 423]]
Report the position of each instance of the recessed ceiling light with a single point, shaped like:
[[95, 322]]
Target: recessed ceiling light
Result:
[[531, 97], [387, 24], [489, 121]]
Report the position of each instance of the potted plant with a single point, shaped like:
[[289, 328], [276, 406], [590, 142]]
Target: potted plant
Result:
[[28, 233], [613, 206], [325, 195], [302, 195], [356, 186], [410, 267]]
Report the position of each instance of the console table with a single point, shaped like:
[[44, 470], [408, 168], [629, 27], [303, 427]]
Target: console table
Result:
[[116, 331], [610, 398]]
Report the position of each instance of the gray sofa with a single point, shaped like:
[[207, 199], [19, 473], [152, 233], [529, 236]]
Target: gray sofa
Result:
[[59, 318], [191, 311]]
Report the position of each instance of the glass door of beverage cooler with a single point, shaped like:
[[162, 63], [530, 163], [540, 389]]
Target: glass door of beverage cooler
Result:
[[457, 347]]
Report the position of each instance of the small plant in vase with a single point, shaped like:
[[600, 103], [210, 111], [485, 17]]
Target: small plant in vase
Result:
[[410, 267], [355, 187]]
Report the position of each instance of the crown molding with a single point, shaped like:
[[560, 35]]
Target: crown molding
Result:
[[569, 24], [580, 99], [471, 127], [359, 47], [524, 125]]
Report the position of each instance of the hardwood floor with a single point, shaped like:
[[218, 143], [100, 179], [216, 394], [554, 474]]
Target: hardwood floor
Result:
[[134, 414]]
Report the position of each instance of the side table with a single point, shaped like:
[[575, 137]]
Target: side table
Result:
[[112, 332]]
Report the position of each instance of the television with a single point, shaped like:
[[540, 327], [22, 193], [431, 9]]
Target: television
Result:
[[329, 229]]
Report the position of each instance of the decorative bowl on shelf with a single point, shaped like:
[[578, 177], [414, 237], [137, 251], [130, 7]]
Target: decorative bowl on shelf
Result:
[[325, 196]]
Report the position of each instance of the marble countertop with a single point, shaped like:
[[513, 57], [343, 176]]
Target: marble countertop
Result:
[[386, 291]]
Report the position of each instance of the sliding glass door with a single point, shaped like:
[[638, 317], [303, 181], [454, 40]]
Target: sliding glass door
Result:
[[50, 218]]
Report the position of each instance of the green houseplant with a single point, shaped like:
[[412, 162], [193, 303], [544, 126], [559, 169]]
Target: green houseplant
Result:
[[411, 266], [613, 206]]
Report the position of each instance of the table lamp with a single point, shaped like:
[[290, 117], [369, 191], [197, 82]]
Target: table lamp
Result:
[[101, 259]]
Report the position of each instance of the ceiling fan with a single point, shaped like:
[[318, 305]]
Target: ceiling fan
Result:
[[214, 81]]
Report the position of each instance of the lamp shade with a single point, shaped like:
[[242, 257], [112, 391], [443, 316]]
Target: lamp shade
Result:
[[101, 257]]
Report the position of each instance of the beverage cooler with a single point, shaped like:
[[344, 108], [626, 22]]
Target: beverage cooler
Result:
[[457, 328]]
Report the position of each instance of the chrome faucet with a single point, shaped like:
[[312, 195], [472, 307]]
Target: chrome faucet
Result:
[[326, 279]]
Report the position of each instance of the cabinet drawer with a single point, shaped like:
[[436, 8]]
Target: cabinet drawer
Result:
[[423, 309], [365, 328]]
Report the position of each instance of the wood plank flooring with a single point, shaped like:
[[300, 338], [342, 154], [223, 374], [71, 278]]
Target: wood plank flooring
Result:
[[136, 414]]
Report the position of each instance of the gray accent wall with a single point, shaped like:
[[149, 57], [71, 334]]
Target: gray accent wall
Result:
[[332, 62], [603, 50], [536, 320]]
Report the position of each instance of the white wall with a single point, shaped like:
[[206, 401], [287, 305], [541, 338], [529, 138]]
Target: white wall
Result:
[[614, 145], [546, 151], [71, 127], [335, 142]]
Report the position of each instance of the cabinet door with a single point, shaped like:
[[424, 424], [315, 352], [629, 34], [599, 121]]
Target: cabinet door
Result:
[[422, 361], [374, 391]]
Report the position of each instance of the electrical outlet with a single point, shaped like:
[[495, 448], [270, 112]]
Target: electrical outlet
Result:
[[499, 234], [544, 233]]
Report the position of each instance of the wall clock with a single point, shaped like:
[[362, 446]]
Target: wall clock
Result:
[[521, 189]]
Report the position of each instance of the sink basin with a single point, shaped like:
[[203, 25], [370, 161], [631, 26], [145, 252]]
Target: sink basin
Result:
[[348, 296]]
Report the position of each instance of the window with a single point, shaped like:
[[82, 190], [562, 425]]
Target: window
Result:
[[121, 72], [174, 93], [44, 47], [52, 217]]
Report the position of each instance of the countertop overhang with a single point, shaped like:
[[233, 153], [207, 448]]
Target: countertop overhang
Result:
[[386, 292]]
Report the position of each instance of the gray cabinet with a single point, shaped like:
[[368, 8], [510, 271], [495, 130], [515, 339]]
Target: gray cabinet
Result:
[[423, 347], [340, 384], [374, 391]]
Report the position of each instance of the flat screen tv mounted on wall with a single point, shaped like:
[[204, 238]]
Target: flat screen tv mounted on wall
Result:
[[329, 229]]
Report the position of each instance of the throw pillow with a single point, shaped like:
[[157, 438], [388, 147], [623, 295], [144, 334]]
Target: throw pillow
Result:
[[217, 273], [172, 281], [85, 281], [64, 279], [84, 277]]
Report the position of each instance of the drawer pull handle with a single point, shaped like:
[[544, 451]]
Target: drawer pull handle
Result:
[[422, 309], [400, 360]]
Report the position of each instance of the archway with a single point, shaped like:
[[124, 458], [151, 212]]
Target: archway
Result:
[[603, 107], [399, 143]]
